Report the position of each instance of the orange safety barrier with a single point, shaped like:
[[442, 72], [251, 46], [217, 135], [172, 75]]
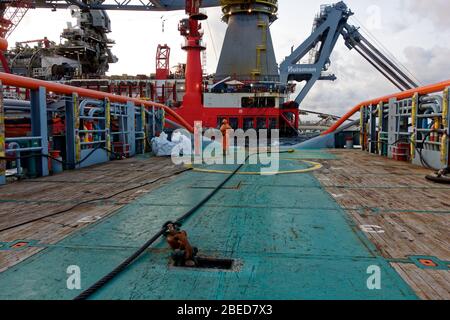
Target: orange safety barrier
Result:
[[29, 83], [400, 96]]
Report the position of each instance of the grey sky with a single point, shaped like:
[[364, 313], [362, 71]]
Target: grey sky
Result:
[[417, 32]]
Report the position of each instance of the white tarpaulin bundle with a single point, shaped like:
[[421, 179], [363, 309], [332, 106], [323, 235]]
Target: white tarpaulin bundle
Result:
[[161, 146], [180, 145]]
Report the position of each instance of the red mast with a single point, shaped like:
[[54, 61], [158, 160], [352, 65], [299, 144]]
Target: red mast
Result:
[[162, 62], [190, 29]]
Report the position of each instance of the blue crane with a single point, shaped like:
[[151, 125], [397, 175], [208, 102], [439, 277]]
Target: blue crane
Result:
[[132, 5], [329, 25]]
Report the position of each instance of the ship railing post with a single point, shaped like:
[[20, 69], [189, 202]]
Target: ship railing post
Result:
[[414, 135], [392, 125], [445, 141], [72, 137], [140, 129], [131, 128], [380, 127], [39, 126], [373, 129], [361, 127], [143, 129], [163, 118], [2, 139], [107, 104], [153, 122]]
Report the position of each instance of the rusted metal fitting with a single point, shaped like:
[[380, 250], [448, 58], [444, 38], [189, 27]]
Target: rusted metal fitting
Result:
[[183, 253]]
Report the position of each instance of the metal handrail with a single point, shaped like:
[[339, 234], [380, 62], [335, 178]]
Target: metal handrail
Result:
[[441, 86], [29, 83]]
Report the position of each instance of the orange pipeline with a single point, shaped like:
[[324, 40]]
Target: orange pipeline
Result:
[[441, 86], [3, 44], [24, 82]]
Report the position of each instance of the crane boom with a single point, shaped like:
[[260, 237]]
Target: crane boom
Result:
[[11, 13], [329, 25], [355, 40], [132, 5]]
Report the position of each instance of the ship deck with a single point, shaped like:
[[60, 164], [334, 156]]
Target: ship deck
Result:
[[303, 235]]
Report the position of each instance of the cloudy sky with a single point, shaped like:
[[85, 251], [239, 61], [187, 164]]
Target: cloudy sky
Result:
[[417, 32]]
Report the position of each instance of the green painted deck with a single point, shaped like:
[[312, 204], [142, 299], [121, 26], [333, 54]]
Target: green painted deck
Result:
[[291, 239]]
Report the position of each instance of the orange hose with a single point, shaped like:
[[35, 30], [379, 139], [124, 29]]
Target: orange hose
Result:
[[3, 44], [401, 95], [24, 82]]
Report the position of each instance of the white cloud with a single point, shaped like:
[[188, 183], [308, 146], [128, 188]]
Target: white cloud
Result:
[[431, 65], [437, 11]]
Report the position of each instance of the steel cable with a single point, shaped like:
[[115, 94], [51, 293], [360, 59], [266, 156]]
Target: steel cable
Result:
[[179, 222]]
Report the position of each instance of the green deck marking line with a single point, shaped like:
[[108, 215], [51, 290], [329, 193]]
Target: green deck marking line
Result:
[[94, 203], [389, 174], [17, 245], [379, 211], [388, 188], [424, 262], [429, 263], [76, 182], [309, 248]]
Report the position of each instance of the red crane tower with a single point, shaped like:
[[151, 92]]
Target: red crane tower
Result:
[[11, 13], [162, 62], [191, 29]]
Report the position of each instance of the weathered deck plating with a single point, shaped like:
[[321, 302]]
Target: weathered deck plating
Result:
[[299, 236]]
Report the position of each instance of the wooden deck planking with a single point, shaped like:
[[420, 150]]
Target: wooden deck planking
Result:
[[413, 213], [30, 199], [428, 284]]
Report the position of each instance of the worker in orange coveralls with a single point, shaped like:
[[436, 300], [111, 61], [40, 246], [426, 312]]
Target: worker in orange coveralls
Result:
[[197, 137], [225, 129]]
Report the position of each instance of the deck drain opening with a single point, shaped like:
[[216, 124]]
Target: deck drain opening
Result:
[[219, 264], [211, 263]]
